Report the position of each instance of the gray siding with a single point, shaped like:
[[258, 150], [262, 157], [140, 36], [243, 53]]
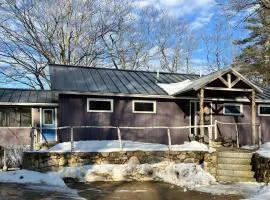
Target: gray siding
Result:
[[72, 111], [15, 136]]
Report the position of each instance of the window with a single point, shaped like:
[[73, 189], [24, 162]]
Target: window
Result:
[[99, 105], [15, 117], [48, 116], [264, 110], [144, 107], [232, 109]]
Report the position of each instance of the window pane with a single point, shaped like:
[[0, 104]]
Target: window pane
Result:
[[14, 117], [25, 117], [3, 117], [144, 107], [100, 105], [48, 117], [265, 110], [232, 109]]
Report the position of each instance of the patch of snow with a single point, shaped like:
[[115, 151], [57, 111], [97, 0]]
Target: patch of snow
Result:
[[264, 151], [172, 88], [184, 175], [250, 191], [113, 146], [32, 177], [249, 147], [192, 146]]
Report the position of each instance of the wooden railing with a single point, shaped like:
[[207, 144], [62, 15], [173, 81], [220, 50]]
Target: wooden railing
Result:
[[237, 131], [119, 128]]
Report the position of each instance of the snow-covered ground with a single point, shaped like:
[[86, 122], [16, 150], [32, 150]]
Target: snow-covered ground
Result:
[[189, 176], [113, 145], [264, 151]]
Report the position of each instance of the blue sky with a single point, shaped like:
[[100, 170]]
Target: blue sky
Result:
[[202, 15]]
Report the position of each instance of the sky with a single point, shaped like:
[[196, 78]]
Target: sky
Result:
[[203, 17]]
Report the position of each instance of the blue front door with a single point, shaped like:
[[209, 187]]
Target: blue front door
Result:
[[49, 125]]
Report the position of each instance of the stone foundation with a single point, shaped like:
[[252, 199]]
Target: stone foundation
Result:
[[210, 163], [47, 161], [261, 167]]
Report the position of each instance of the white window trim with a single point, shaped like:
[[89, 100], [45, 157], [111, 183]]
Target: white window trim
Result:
[[233, 104], [259, 108], [43, 116], [94, 99], [142, 101]]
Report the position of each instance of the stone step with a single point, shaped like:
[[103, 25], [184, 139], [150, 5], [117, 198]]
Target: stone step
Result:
[[237, 173], [234, 167], [229, 154], [234, 161], [234, 179]]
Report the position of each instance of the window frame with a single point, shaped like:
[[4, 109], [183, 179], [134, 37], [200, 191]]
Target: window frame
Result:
[[43, 117], [144, 101], [259, 108], [99, 111], [233, 104]]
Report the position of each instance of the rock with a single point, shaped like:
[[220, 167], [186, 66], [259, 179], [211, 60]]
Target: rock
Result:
[[133, 161]]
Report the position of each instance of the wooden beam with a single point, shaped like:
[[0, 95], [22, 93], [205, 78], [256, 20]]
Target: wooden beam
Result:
[[201, 112], [235, 81], [253, 110], [223, 81], [229, 89], [229, 80]]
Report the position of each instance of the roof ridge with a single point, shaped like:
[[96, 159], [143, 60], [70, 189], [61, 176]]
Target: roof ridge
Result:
[[26, 89], [128, 70]]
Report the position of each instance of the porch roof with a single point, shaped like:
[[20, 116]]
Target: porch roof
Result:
[[203, 81], [11, 96]]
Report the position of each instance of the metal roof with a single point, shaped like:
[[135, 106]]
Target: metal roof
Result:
[[20, 96], [201, 82], [106, 80]]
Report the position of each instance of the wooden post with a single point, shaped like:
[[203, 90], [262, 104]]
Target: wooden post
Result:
[[5, 159], [216, 130], [253, 107], [201, 112], [119, 138], [32, 137], [260, 136], [237, 136], [71, 140], [210, 133], [169, 138]]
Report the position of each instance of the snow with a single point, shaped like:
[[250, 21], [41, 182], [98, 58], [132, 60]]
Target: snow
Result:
[[31, 177], [185, 174], [113, 145], [250, 191], [264, 151], [249, 147], [172, 88]]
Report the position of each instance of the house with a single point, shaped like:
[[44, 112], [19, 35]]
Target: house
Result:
[[108, 98]]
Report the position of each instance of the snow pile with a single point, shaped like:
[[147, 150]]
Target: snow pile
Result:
[[113, 145], [249, 147], [264, 151], [192, 146], [184, 175], [263, 193], [31, 177]]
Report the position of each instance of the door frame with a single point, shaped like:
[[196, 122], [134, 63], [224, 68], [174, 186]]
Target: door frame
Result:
[[195, 113], [41, 112]]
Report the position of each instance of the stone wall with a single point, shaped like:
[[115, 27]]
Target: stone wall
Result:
[[47, 161], [261, 166], [210, 163]]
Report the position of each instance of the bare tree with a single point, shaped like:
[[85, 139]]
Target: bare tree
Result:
[[35, 33]]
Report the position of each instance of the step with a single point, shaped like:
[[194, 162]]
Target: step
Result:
[[234, 167], [229, 154], [234, 161], [234, 179], [237, 173]]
